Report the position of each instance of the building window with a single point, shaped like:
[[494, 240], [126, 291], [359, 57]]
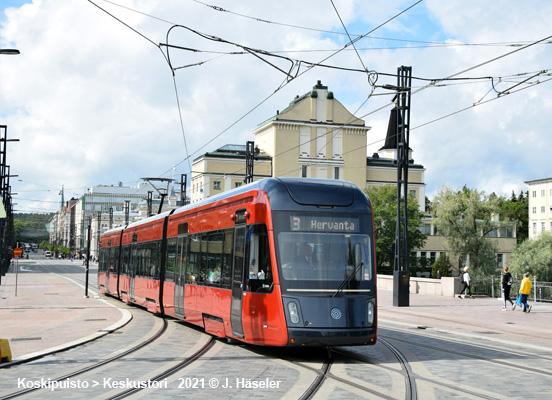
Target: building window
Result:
[[425, 228], [534, 193], [542, 193], [412, 193], [216, 185], [304, 141], [237, 184], [506, 232], [542, 209], [304, 171], [491, 234], [321, 142], [500, 261], [542, 227], [534, 210], [534, 228], [337, 140], [336, 172]]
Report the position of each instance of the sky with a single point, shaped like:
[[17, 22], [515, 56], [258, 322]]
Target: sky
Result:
[[93, 99]]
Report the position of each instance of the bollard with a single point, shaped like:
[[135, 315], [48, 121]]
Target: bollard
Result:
[[5, 353]]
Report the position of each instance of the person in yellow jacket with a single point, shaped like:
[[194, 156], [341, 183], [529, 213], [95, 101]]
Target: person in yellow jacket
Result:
[[525, 290]]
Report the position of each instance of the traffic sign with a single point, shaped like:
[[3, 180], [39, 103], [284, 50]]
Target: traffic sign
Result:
[[17, 251]]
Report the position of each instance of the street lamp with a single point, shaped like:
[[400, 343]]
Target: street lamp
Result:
[[10, 52]]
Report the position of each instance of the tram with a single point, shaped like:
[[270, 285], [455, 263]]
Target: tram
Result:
[[278, 262]]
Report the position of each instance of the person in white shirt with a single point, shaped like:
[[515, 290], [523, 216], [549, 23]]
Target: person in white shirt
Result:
[[466, 277]]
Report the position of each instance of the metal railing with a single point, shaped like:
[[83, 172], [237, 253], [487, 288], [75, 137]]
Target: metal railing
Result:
[[492, 287]]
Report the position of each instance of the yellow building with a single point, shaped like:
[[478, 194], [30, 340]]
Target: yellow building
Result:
[[314, 137]]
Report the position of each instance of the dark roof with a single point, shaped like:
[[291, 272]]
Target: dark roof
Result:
[[232, 151], [391, 137], [377, 161]]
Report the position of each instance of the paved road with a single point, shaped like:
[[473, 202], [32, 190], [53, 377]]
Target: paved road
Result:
[[455, 348]]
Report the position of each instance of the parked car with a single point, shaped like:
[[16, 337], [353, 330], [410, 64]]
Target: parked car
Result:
[[48, 254]]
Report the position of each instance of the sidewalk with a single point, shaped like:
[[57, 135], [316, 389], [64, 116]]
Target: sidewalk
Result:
[[481, 317], [50, 313]]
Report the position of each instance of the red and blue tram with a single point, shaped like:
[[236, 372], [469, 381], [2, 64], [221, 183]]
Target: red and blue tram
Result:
[[278, 262]]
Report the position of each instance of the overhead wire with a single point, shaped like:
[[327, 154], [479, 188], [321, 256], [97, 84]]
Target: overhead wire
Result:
[[433, 83], [297, 66]]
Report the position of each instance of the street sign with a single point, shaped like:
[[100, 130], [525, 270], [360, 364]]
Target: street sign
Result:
[[17, 251]]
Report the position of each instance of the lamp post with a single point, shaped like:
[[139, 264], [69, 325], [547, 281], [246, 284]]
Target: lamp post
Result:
[[5, 192]]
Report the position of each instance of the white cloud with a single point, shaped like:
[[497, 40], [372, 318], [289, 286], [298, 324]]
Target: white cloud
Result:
[[93, 102]]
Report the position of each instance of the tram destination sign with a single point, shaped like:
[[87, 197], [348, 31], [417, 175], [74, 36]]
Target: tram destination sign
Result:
[[308, 223]]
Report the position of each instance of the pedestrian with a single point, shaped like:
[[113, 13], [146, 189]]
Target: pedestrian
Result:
[[525, 290], [466, 279], [506, 286]]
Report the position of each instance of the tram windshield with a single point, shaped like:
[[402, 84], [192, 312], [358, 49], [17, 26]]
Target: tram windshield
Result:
[[334, 262]]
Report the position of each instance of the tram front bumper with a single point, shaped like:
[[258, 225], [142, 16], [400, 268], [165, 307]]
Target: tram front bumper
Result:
[[331, 337]]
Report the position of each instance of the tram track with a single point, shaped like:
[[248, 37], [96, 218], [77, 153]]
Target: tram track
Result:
[[324, 373], [170, 371], [96, 365], [471, 355]]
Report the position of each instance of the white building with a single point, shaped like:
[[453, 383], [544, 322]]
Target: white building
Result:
[[540, 207]]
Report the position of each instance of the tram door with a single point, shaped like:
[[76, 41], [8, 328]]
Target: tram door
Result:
[[180, 274], [109, 265], [238, 281], [132, 270]]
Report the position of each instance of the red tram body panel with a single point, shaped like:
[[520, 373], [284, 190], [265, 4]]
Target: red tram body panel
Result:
[[232, 264]]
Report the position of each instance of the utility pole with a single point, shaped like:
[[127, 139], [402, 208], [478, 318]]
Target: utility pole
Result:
[[127, 212], [88, 234], [401, 272], [249, 160], [183, 184]]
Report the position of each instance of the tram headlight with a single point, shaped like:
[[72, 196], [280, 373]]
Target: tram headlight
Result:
[[293, 312], [371, 310]]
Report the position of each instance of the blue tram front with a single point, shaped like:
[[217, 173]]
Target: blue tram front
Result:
[[323, 233]]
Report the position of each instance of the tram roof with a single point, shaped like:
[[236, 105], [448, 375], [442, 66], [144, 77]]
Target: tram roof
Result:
[[284, 193]]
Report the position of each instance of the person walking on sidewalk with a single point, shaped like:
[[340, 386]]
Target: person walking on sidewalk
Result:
[[506, 286], [525, 291], [466, 279]]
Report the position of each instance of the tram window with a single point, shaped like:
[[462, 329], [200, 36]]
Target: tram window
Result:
[[214, 259], [259, 276], [125, 260], [133, 264], [102, 267], [151, 260], [333, 257], [171, 260], [203, 263], [111, 260], [193, 265]]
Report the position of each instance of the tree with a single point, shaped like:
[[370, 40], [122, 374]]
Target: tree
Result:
[[535, 257], [516, 209], [19, 226], [466, 217], [384, 205], [442, 266]]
